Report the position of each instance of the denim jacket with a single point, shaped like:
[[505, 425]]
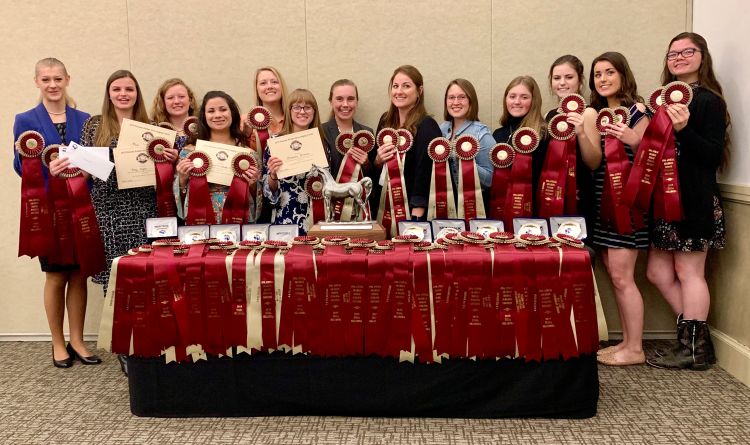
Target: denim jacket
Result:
[[486, 142]]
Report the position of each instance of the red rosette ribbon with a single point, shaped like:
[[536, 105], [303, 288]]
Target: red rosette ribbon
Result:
[[572, 103], [677, 93], [655, 101], [165, 202], [236, 205], [344, 141], [519, 195], [405, 141], [439, 151], [364, 140], [557, 182], [622, 115], [605, 118], [190, 127], [63, 250], [36, 236], [259, 118], [200, 209], [471, 206], [314, 189], [387, 136], [501, 157]]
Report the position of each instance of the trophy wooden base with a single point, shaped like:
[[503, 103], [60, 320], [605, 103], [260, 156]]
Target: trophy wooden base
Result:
[[371, 230]]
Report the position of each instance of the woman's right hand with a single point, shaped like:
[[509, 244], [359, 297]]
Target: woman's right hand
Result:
[[58, 165], [385, 153], [576, 119], [183, 171]]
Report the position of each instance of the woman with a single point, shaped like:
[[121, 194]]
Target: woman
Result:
[[121, 214], [677, 258], [270, 92], [522, 107], [59, 123], [566, 77], [407, 111], [287, 196], [344, 99], [461, 114], [173, 104], [612, 85], [218, 121]]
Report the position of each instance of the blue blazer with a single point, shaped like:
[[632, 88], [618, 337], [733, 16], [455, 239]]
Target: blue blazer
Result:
[[37, 119]]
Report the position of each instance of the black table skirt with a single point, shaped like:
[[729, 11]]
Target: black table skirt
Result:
[[284, 385]]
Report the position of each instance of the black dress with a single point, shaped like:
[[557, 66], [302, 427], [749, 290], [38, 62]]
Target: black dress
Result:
[[121, 214], [699, 147]]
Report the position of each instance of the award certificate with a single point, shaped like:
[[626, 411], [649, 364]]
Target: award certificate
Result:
[[133, 165], [298, 151], [221, 160]]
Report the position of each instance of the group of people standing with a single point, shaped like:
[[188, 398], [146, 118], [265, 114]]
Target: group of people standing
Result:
[[677, 250]]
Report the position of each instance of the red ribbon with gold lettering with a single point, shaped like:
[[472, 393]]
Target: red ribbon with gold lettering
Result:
[[238, 316], [200, 209], [194, 293], [421, 309], [64, 249], [88, 239], [439, 151], [217, 302], [647, 162], [36, 235], [268, 298], [399, 335], [236, 204], [164, 169], [501, 157]]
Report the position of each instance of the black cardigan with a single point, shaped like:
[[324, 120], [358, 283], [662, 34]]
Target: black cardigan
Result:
[[417, 166], [701, 147]]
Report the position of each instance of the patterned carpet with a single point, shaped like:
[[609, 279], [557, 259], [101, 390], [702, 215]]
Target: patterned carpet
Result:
[[89, 404]]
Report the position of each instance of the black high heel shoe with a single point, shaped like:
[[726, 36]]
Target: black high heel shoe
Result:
[[64, 363], [90, 360]]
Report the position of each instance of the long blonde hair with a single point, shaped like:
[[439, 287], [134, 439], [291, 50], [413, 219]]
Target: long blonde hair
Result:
[[533, 118], [51, 62], [110, 127], [158, 108], [276, 73]]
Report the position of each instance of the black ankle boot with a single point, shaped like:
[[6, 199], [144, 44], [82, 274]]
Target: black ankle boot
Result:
[[691, 350], [661, 352]]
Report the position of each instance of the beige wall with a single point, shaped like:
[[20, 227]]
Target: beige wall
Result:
[[219, 44]]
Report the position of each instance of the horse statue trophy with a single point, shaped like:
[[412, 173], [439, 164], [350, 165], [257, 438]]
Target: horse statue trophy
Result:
[[359, 191]]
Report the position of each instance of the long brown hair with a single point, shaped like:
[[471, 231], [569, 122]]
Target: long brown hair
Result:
[[305, 97], [471, 94], [158, 109], [533, 118], [706, 79], [110, 127], [417, 113], [628, 94]]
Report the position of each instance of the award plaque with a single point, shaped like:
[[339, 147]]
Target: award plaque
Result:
[[530, 226], [191, 234], [161, 227], [442, 227], [421, 229], [574, 226], [255, 232], [283, 232], [229, 233], [485, 227], [572, 103], [655, 101]]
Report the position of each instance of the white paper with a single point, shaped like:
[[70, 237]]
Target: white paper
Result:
[[89, 159]]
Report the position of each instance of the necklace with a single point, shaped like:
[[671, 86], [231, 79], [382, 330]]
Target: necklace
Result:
[[55, 114]]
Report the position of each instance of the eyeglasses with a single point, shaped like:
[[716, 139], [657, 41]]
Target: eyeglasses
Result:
[[685, 53], [305, 108], [459, 98]]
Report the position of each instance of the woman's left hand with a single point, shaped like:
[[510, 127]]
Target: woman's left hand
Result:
[[251, 175], [679, 115], [359, 156], [624, 134]]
